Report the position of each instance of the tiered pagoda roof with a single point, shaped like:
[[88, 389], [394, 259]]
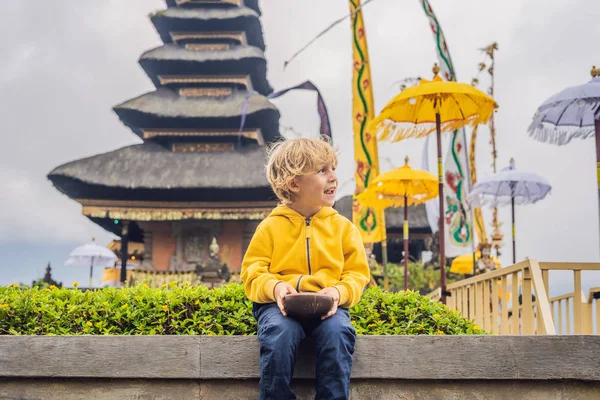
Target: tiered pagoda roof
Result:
[[220, 4], [171, 59], [209, 72], [195, 26], [164, 109]]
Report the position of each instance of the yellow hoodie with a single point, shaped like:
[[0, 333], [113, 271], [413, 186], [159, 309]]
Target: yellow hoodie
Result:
[[308, 253]]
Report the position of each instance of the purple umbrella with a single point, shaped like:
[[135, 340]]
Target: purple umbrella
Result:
[[572, 113]]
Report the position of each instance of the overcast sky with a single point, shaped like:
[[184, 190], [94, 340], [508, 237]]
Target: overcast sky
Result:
[[66, 64]]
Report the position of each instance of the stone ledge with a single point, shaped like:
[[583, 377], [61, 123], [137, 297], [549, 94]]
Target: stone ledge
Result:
[[232, 389], [376, 357]]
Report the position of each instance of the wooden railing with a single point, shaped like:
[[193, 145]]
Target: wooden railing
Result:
[[514, 300]]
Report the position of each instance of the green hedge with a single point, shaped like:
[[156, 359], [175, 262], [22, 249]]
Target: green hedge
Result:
[[184, 310], [421, 278]]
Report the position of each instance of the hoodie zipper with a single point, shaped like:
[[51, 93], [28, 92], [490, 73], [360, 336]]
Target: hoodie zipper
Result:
[[308, 244], [307, 230]]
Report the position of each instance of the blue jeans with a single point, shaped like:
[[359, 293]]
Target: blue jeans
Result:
[[279, 339]]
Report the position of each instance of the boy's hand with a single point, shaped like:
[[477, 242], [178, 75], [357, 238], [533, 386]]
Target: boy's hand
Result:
[[335, 295], [281, 290]]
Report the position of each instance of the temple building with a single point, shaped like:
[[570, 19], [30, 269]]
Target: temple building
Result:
[[196, 177]]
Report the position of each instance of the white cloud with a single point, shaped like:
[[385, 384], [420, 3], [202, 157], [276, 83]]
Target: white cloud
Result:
[[36, 212], [17, 63]]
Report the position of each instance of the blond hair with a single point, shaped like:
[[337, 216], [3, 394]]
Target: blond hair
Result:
[[296, 157]]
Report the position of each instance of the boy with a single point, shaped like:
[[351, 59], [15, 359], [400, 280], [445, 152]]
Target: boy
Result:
[[304, 245]]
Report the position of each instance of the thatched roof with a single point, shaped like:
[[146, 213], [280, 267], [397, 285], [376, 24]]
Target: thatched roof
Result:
[[165, 102], [171, 59], [253, 4], [394, 217], [173, 52], [210, 20], [151, 166], [164, 108]]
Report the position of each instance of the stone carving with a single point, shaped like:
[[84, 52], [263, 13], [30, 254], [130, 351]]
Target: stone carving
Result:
[[485, 262], [193, 248], [213, 269]]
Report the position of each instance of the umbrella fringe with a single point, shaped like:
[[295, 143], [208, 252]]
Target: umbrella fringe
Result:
[[397, 131], [494, 201], [558, 135]]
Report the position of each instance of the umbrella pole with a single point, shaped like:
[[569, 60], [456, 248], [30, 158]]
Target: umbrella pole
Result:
[[91, 272], [384, 260], [597, 123], [124, 250], [512, 204], [405, 243], [438, 129]]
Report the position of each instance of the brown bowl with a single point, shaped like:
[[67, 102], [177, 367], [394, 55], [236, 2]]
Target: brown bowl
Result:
[[307, 305]]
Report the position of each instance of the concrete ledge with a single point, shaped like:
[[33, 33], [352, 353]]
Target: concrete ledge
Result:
[[128, 389], [436, 358]]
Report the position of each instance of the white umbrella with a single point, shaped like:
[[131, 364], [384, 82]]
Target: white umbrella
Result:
[[569, 114], [572, 113], [509, 186], [91, 255]]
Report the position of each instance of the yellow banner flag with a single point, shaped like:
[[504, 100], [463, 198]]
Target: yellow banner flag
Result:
[[370, 222]]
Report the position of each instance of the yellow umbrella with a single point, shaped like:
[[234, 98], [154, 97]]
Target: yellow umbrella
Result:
[[433, 106], [404, 186], [413, 113], [464, 264], [416, 185]]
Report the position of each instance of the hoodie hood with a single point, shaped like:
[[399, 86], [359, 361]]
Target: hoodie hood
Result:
[[285, 211]]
